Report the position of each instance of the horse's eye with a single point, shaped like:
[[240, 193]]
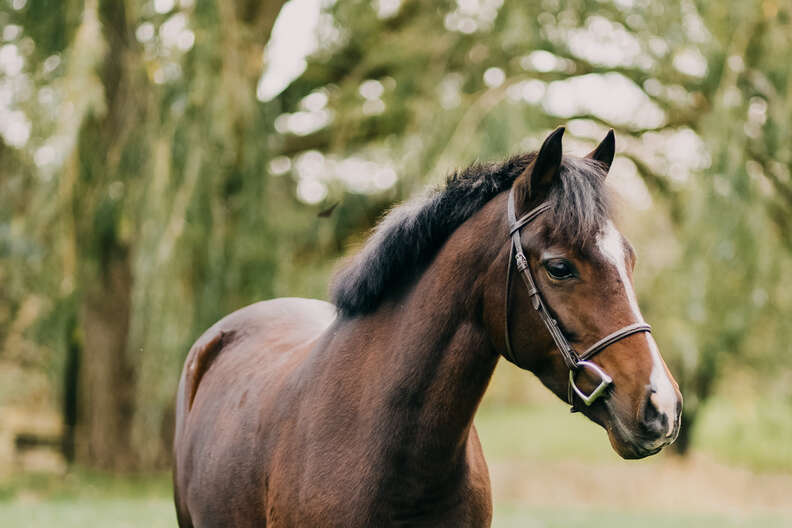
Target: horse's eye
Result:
[[559, 269]]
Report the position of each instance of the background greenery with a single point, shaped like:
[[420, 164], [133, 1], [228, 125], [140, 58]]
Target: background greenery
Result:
[[154, 176]]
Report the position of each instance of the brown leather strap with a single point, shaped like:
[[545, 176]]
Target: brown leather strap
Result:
[[609, 339], [527, 217]]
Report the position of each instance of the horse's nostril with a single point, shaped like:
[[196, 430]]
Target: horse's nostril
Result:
[[654, 422]]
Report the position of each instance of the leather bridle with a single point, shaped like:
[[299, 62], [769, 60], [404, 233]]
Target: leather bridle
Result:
[[574, 361]]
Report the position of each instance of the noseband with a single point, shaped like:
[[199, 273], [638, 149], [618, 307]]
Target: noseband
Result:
[[573, 361]]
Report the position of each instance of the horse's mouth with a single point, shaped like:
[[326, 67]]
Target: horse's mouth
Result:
[[641, 452], [630, 445]]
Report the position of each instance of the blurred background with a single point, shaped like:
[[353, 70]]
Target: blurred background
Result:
[[165, 162]]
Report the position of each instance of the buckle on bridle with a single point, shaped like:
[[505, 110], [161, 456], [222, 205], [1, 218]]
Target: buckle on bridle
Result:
[[588, 399], [521, 261]]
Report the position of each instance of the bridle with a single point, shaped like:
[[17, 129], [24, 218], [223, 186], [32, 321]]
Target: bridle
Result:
[[574, 361]]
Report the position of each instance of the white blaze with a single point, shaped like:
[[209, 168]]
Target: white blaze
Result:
[[610, 244]]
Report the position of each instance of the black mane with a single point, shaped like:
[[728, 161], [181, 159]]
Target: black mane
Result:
[[410, 235]]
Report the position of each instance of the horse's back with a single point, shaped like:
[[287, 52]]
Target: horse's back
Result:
[[236, 369]]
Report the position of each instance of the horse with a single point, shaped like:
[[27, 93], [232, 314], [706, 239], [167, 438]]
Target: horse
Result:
[[300, 413]]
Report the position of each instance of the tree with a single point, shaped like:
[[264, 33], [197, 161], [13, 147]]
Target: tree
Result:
[[163, 136]]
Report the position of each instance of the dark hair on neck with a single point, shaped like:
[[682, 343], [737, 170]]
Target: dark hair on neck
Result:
[[410, 235]]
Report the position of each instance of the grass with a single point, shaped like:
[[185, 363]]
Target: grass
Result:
[[86, 499], [756, 435], [541, 432], [553, 469], [516, 517], [156, 513], [753, 434], [89, 512], [82, 484]]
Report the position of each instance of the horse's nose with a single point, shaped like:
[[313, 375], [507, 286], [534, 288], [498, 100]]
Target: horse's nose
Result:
[[654, 422]]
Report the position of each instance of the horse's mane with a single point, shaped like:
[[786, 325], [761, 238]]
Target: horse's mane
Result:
[[410, 235]]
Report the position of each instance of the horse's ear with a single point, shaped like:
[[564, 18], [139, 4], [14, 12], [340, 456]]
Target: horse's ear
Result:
[[605, 151], [540, 174]]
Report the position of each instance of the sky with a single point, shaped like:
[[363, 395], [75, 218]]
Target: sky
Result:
[[293, 39]]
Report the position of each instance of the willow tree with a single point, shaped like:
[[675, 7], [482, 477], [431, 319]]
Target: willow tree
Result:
[[154, 205]]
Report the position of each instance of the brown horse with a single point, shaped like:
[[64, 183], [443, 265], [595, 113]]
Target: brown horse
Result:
[[299, 413]]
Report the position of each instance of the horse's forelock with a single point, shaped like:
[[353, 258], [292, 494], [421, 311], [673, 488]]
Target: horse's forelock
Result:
[[581, 203]]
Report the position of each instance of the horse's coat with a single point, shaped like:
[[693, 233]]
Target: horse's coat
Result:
[[299, 413]]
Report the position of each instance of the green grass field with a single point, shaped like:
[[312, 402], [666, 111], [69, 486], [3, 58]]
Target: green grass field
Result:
[[84, 513], [515, 517], [158, 512], [549, 469]]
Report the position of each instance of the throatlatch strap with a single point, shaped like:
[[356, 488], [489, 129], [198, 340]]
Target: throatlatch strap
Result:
[[509, 353]]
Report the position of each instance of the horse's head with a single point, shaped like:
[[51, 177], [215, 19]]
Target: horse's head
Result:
[[582, 267]]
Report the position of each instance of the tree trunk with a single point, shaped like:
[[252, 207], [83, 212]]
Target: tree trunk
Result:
[[107, 375], [105, 397], [112, 148], [696, 387], [71, 384], [682, 444]]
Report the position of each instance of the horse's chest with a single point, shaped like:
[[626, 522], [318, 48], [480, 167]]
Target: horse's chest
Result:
[[368, 500]]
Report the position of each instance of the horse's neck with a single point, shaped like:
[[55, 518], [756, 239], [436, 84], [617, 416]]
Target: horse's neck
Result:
[[436, 358]]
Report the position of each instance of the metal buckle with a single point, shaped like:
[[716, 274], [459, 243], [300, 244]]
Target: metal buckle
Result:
[[605, 381]]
